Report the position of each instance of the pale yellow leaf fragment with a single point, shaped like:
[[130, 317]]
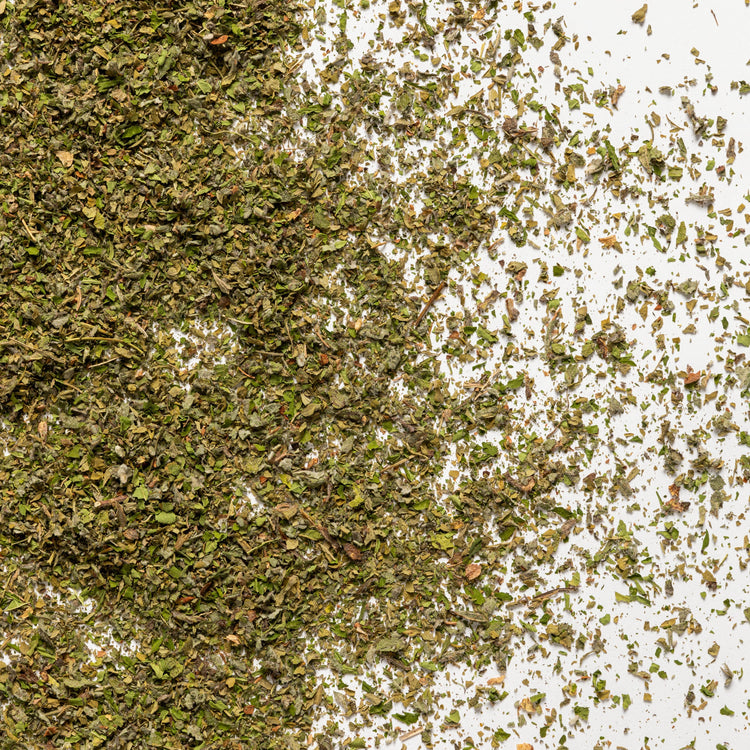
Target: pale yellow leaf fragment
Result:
[[65, 157], [640, 15]]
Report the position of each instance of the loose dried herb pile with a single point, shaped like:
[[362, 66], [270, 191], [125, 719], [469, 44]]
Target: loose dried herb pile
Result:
[[225, 407]]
